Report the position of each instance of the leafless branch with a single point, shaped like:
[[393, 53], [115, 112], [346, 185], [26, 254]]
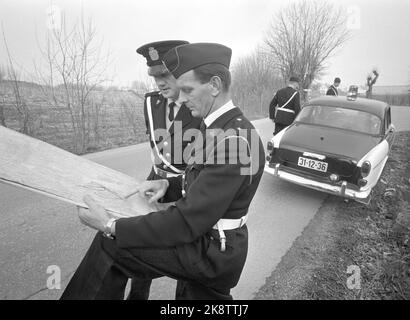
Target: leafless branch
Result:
[[303, 36], [19, 103], [254, 82], [74, 66]]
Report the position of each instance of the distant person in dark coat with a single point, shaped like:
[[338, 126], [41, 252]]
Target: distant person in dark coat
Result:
[[289, 100], [332, 91]]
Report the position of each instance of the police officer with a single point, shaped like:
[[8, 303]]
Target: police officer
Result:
[[202, 240], [288, 100], [166, 121], [166, 118], [332, 90]]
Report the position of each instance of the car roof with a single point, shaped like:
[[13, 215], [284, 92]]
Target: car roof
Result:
[[375, 107]]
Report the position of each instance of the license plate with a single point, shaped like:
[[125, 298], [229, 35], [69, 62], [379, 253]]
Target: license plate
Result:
[[312, 164]]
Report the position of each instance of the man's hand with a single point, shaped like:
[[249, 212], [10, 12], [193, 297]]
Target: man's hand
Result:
[[95, 217], [153, 189]]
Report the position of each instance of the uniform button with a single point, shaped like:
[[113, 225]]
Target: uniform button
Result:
[[165, 166], [167, 155], [165, 143], [239, 119]]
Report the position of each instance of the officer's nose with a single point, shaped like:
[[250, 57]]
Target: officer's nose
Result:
[[160, 82], [182, 97]]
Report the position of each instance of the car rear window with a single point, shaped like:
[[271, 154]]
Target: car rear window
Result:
[[340, 118]]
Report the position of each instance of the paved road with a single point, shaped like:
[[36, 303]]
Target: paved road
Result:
[[37, 232]]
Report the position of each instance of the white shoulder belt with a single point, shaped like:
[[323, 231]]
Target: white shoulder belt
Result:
[[151, 126], [290, 99]]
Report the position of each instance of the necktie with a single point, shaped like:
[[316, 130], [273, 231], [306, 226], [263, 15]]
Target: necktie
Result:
[[202, 127], [171, 111]]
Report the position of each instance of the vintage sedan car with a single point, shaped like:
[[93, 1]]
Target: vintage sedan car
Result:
[[337, 145]]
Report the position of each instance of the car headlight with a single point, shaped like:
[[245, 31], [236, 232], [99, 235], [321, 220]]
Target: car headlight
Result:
[[365, 168]]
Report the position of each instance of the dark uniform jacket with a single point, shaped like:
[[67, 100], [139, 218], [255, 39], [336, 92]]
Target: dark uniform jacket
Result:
[[213, 191], [170, 142], [281, 97], [332, 91]]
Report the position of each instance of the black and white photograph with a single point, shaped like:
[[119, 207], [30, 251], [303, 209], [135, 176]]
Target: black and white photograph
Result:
[[248, 150]]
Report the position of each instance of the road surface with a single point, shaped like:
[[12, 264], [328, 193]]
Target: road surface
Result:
[[38, 234]]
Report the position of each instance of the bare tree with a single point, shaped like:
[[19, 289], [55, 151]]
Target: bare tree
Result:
[[254, 81], [75, 67], [130, 112], [303, 36], [129, 116], [140, 87], [2, 73], [19, 103], [2, 96]]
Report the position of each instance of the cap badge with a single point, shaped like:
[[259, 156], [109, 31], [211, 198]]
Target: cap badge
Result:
[[153, 53]]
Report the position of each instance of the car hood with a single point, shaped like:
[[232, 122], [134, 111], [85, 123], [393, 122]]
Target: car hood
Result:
[[347, 144]]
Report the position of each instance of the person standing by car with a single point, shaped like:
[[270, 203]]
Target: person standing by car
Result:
[[332, 91], [285, 105]]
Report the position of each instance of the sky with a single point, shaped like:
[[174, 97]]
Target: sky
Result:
[[380, 32]]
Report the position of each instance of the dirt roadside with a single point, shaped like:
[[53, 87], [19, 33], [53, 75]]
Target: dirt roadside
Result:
[[353, 251]]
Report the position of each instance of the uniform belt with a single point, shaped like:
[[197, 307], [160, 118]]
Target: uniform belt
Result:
[[165, 174], [228, 224]]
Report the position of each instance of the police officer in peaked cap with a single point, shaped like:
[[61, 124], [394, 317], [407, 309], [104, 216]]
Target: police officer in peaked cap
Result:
[[201, 240], [162, 110]]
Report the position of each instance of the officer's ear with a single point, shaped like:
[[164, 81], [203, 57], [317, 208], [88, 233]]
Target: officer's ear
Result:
[[216, 85]]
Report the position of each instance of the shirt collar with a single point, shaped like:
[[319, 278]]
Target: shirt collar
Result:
[[177, 103], [218, 113]]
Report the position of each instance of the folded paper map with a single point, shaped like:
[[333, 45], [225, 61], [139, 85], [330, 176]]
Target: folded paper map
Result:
[[38, 166]]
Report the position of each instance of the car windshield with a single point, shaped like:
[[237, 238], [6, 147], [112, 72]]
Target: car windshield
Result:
[[340, 118]]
